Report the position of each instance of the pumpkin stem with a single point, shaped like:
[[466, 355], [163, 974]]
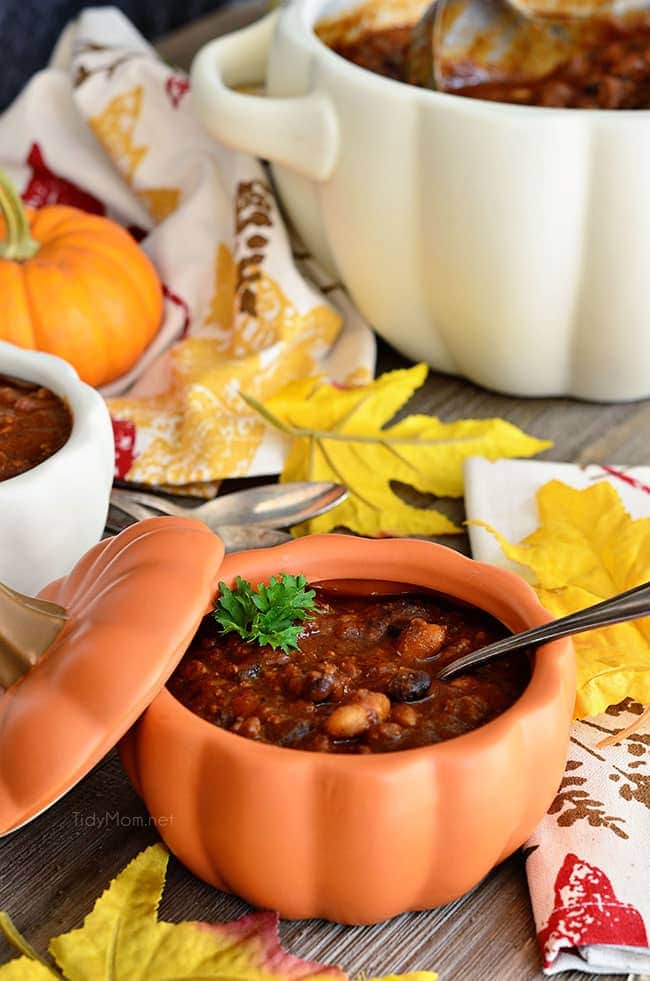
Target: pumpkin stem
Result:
[[18, 243], [27, 628]]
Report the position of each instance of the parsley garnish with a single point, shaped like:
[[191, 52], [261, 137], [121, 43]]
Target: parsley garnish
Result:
[[270, 614]]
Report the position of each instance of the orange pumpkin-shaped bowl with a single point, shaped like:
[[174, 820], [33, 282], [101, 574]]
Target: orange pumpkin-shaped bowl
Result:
[[358, 839]]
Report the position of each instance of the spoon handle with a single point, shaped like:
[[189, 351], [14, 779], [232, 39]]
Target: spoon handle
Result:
[[632, 605]]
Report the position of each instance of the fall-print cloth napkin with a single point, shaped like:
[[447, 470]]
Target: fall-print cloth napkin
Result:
[[110, 128], [588, 863]]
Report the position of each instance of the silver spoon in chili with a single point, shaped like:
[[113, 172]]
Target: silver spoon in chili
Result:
[[631, 605]]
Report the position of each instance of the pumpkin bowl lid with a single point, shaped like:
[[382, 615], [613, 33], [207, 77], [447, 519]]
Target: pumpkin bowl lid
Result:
[[134, 603]]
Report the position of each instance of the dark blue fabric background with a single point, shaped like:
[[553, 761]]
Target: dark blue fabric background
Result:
[[29, 29]]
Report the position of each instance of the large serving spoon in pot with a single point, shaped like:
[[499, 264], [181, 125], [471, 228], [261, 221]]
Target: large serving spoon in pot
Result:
[[631, 605], [461, 43]]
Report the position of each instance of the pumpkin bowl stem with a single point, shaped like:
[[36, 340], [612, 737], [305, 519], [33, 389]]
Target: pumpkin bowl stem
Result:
[[27, 628]]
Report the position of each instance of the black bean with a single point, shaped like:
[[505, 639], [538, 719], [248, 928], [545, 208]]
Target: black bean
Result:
[[408, 685], [321, 687]]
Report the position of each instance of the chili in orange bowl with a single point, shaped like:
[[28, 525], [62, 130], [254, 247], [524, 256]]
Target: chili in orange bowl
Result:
[[354, 837], [363, 676]]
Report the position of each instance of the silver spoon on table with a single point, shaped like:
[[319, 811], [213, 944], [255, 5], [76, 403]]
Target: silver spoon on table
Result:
[[243, 519], [266, 506], [631, 605]]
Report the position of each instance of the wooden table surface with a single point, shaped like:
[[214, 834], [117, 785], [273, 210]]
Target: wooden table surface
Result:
[[52, 870]]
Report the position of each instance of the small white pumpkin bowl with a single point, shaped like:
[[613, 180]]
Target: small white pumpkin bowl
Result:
[[52, 514]]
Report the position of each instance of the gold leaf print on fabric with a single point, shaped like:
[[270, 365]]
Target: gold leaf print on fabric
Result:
[[358, 376], [160, 201], [114, 128], [195, 435], [252, 338], [202, 429], [239, 333], [221, 311]]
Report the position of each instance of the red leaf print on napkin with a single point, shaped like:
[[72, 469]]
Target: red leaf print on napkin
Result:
[[587, 911], [183, 306], [626, 478], [45, 187], [176, 87], [124, 434]]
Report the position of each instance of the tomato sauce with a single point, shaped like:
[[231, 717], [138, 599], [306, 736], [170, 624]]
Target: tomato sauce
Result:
[[362, 680]]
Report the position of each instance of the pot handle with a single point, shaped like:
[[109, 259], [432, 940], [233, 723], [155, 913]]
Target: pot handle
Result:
[[300, 133]]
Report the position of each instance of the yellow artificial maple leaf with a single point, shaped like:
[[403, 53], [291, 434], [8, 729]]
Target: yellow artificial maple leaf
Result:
[[24, 969], [29, 967], [337, 435], [122, 939], [586, 549]]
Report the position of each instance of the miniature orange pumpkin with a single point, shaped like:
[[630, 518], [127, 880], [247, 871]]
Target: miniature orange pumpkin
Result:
[[75, 285]]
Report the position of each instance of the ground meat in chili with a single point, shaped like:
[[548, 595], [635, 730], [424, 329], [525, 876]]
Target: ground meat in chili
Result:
[[361, 681], [34, 424], [611, 73], [610, 69], [383, 51]]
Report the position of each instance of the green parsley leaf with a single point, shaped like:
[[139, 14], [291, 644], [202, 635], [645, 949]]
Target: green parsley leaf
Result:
[[271, 614]]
